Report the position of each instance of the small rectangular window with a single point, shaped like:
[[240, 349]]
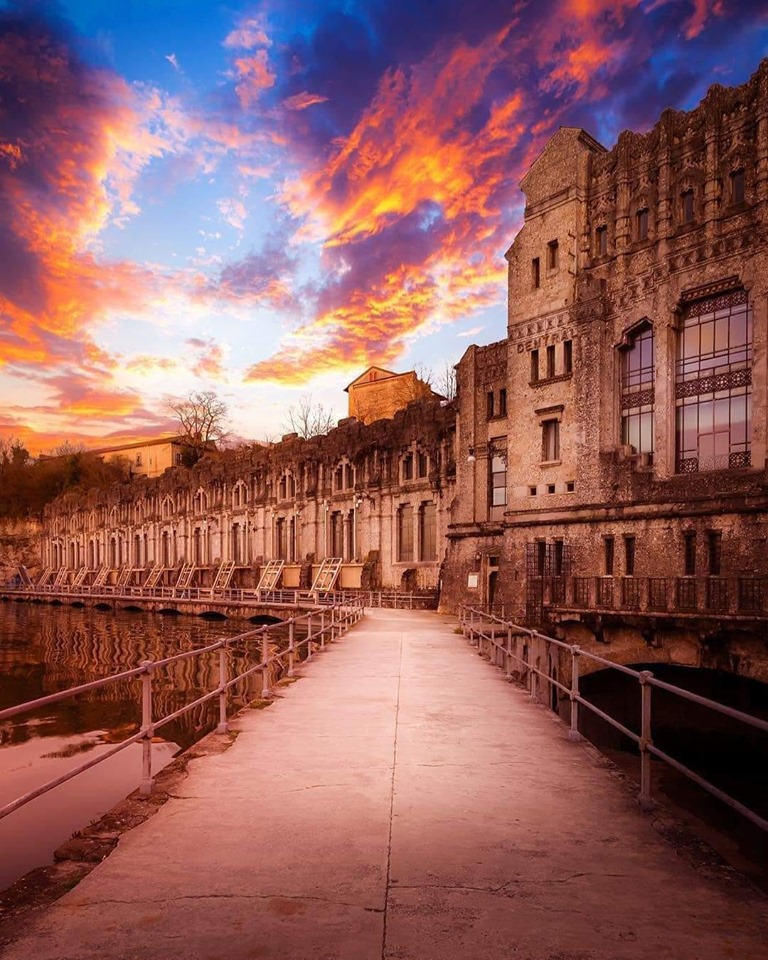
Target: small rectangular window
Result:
[[629, 556], [558, 559], [489, 405], [536, 273], [550, 488], [737, 186], [408, 467], [714, 544], [686, 206], [567, 356], [534, 366], [502, 402], [550, 360], [689, 553], [532, 491], [553, 255], [642, 224], [608, 544], [601, 241], [570, 486], [421, 464], [550, 436]]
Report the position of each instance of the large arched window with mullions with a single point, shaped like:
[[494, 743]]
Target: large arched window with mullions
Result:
[[713, 384], [637, 386]]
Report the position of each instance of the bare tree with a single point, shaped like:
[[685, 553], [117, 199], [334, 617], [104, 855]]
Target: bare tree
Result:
[[441, 380], [202, 419], [308, 419], [444, 381]]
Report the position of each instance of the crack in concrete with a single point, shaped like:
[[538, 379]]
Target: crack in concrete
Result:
[[502, 888], [392, 805], [236, 896]]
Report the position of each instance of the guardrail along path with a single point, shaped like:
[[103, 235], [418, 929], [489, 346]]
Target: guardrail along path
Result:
[[402, 801]]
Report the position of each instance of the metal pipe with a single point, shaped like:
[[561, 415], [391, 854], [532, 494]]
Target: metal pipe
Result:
[[223, 726], [646, 740], [145, 788]]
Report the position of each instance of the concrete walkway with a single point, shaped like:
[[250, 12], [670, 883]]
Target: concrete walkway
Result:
[[402, 801]]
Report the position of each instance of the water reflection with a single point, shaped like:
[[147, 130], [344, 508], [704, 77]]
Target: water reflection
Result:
[[44, 649]]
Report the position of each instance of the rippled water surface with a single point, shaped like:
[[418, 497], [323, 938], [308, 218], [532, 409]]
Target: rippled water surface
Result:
[[44, 649]]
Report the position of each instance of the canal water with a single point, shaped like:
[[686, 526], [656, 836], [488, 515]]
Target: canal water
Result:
[[44, 649]]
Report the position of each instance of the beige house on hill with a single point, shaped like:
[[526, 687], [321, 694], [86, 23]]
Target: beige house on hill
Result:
[[377, 394]]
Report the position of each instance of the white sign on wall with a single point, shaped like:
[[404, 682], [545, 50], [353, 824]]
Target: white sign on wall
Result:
[[472, 581]]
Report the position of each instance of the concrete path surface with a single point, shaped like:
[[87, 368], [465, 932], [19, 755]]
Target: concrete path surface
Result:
[[401, 801]]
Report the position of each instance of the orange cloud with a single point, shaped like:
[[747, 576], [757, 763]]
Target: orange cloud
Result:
[[300, 101]]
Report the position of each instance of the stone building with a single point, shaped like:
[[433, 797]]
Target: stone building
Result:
[[377, 394], [376, 497], [611, 451]]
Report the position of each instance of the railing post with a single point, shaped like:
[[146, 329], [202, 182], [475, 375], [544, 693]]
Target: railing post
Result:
[[472, 625], [265, 691], [644, 798], [573, 733], [223, 726], [534, 676], [291, 653], [508, 652], [145, 788]]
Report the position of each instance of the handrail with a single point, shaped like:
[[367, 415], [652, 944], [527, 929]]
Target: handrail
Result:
[[230, 595], [335, 620], [479, 627]]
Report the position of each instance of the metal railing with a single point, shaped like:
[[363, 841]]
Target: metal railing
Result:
[[485, 630], [322, 626], [687, 596], [242, 596]]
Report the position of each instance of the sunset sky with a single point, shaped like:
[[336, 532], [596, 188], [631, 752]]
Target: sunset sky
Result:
[[264, 198]]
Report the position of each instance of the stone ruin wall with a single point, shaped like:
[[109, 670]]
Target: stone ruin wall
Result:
[[355, 471]]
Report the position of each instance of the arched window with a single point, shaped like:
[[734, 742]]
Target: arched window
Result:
[[713, 389], [637, 385]]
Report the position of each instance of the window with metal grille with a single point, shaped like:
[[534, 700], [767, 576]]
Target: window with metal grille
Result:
[[405, 532], [637, 391], [428, 531], [713, 389]]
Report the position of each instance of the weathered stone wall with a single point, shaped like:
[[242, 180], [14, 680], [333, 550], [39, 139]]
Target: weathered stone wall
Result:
[[618, 253]]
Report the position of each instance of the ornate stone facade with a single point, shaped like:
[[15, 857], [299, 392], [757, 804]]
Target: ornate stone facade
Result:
[[633, 455], [375, 496]]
